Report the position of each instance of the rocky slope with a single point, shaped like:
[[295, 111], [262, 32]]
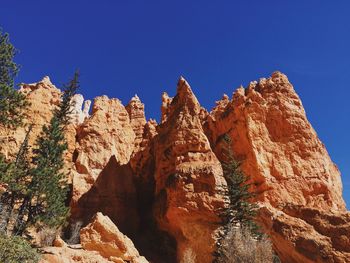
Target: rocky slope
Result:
[[160, 183]]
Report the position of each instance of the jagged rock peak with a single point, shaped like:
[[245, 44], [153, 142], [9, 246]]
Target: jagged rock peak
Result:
[[79, 112], [135, 98], [136, 111], [182, 85], [278, 82], [166, 101], [184, 99], [135, 106], [225, 97], [185, 93], [277, 75], [45, 83], [104, 103], [46, 80]]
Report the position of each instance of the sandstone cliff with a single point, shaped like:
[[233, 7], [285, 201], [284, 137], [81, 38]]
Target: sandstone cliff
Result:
[[160, 183]]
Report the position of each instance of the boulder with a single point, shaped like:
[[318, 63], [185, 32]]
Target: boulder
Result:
[[102, 236]]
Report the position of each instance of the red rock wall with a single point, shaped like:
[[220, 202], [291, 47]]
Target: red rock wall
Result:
[[133, 170]]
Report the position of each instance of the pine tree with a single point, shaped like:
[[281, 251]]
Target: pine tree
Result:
[[12, 102], [23, 171], [240, 210], [5, 175], [38, 187], [14, 175], [48, 186]]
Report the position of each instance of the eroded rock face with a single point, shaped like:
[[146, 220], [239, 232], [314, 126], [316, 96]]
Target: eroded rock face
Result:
[[304, 234], [101, 241], [169, 173], [105, 134], [287, 162], [188, 176], [136, 111], [43, 96], [114, 194], [278, 147]]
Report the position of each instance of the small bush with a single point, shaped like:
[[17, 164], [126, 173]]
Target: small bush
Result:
[[16, 249], [46, 236], [74, 233], [240, 246], [189, 256]]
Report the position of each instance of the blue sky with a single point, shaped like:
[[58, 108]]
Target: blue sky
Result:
[[128, 47]]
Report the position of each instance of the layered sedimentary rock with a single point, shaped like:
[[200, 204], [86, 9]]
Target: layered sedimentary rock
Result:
[[188, 176], [169, 174]]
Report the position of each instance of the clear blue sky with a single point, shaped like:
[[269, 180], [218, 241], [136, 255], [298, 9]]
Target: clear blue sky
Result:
[[127, 47]]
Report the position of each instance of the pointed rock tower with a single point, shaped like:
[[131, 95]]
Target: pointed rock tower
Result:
[[188, 176]]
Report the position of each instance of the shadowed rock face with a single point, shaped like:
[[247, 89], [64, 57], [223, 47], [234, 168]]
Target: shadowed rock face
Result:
[[159, 183], [113, 194]]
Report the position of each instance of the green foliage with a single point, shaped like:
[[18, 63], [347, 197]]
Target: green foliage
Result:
[[48, 186], [15, 176], [12, 103], [240, 210], [36, 189], [16, 249]]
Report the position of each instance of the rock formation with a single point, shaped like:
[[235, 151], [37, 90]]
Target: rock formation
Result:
[[43, 97], [279, 149], [105, 136], [101, 241], [79, 113], [136, 111], [188, 177], [168, 176], [304, 234], [289, 167], [103, 236]]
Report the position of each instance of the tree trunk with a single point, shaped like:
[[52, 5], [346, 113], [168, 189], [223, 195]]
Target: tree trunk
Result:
[[20, 224]]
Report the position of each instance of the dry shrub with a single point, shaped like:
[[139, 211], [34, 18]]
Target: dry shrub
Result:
[[239, 246], [74, 232], [46, 236], [189, 256]]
